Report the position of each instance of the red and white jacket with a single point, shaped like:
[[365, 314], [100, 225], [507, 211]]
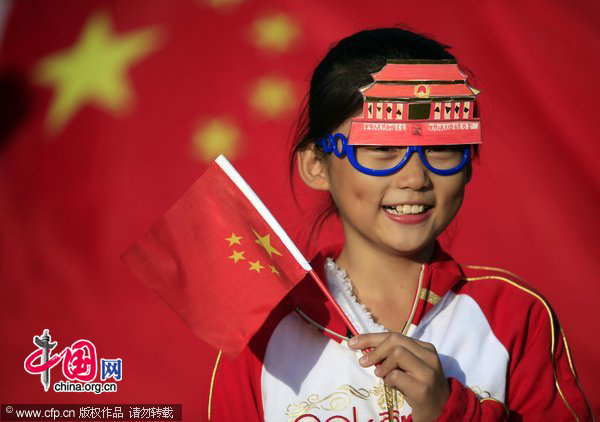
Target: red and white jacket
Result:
[[500, 345]]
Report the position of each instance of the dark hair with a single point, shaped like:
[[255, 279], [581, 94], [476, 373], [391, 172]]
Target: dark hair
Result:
[[334, 94]]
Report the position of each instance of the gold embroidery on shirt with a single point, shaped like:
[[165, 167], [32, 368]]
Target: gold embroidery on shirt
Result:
[[338, 400], [390, 399], [429, 296], [341, 399], [380, 393]]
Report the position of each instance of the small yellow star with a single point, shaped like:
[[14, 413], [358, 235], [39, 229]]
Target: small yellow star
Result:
[[265, 242], [94, 70], [275, 32], [234, 239], [256, 266], [274, 270], [217, 136], [237, 256], [272, 96]]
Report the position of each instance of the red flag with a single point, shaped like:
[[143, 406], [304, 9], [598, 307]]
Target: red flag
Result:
[[219, 259]]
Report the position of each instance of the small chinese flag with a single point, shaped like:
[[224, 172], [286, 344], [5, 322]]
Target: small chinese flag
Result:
[[219, 258]]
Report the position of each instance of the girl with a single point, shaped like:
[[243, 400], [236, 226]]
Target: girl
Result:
[[445, 342]]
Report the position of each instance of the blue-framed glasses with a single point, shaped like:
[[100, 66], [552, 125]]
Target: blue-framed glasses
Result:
[[383, 160]]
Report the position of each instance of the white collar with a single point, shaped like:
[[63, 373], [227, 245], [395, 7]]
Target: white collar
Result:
[[341, 288]]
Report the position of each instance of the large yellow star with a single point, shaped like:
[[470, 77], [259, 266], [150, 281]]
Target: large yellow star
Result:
[[255, 266], [234, 239], [272, 96], [265, 242], [274, 32], [217, 136], [94, 70], [237, 256]]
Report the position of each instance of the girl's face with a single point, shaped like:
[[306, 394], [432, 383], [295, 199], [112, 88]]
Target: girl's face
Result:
[[402, 213]]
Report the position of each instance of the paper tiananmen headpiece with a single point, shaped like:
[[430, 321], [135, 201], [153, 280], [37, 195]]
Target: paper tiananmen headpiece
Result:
[[417, 102]]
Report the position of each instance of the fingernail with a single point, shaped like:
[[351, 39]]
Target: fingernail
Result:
[[352, 341], [363, 359]]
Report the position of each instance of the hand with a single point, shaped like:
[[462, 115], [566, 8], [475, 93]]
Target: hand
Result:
[[411, 366]]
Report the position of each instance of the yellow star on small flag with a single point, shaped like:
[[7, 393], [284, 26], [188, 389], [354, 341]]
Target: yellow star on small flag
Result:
[[272, 96], [274, 32], [237, 256], [265, 242], [274, 270], [233, 239], [94, 70], [256, 266], [215, 137]]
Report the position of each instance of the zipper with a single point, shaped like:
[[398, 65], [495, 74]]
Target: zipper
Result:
[[413, 311]]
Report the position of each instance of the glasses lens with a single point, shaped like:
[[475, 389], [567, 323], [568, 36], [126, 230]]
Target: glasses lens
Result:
[[379, 157], [339, 144], [444, 157]]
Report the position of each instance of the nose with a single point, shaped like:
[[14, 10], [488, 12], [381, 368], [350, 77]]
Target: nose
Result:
[[413, 175]]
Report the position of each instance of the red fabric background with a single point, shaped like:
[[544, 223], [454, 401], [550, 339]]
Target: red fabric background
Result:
[[72, 202]]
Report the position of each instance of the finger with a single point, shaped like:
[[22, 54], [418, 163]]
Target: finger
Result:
[[393, 340], [424, 344], [415, 391], [423, 350], [400, 358], [382, 349], [402, 381], [426, 352], [366, 341]]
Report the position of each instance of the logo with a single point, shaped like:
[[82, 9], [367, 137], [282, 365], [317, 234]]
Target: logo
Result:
[[79, 366], [422, 91], [417, 130]]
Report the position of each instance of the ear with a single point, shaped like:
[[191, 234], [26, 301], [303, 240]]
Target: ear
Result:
[[312, 167], [469, 171]]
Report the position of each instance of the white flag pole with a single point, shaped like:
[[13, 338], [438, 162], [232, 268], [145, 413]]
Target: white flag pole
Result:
[[262, 210]]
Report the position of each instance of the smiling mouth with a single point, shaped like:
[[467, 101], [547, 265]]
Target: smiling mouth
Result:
[[406, 209]]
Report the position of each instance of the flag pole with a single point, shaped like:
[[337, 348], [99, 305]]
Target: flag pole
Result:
[[337, 308]]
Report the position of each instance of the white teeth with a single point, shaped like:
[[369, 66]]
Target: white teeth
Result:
[[405, 209]]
